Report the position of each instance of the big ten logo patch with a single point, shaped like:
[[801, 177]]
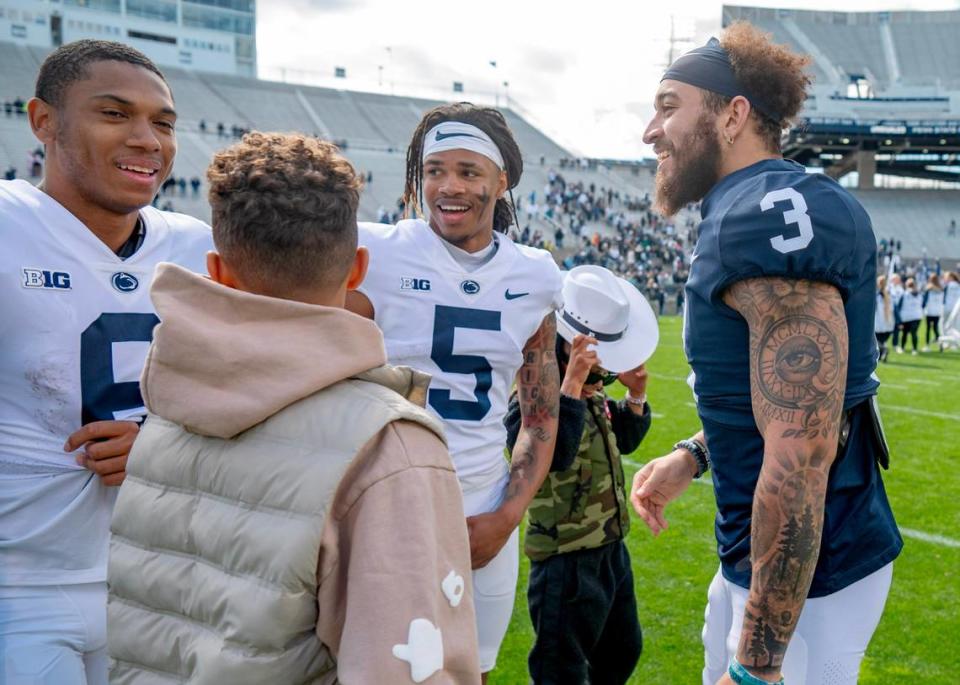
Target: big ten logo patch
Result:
[[420, 284], [46, 279]]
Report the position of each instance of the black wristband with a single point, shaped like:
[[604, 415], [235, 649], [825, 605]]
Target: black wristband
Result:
[[699, 452]]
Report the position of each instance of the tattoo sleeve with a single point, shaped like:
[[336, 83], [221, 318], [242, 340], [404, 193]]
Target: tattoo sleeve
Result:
[[798, 371], [538, 389]]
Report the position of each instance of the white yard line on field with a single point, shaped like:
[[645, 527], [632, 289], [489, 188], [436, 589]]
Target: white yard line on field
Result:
[[666, 376], [920, 381], [941, 540], [919, 412], [893, 407], [932, 538]]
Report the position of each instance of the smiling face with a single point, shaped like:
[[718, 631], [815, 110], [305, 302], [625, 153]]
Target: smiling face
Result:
[[112, 141], [684, 136], [460, 188]]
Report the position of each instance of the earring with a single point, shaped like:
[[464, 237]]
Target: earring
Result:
[[729, 140]]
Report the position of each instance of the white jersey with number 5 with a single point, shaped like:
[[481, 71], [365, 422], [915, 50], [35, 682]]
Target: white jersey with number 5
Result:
[[466, 329], [75, 325]]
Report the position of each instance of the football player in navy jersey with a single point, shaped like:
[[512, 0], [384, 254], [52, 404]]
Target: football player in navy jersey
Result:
[[779, 334]]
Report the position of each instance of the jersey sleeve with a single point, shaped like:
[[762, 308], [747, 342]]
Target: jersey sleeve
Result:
[[556, 283], [808, 230], [189, 238], [375, 237], [546, 274]]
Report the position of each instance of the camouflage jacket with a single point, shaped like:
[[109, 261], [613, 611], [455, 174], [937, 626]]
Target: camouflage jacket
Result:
[[582, 503]]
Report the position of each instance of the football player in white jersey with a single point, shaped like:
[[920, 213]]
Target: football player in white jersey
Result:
[[76, 318], [457, 298]]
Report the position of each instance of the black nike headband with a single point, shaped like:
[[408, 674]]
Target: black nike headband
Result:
[[709, 67]]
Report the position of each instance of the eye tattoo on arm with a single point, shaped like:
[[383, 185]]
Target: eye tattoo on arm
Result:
[[798, 369]]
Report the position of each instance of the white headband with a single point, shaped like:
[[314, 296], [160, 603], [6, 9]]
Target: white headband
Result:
[[456, 135]]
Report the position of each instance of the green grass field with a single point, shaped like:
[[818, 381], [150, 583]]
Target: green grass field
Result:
[[916, 640]]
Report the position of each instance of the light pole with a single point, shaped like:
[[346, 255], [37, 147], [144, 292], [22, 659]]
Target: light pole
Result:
[[390, 65]]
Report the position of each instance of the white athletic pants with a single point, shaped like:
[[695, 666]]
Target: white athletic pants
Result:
[[828, 644], [53, 635], [494, 585]]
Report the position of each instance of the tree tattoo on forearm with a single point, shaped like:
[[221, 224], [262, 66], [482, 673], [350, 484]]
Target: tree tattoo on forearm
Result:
[[798, 368]]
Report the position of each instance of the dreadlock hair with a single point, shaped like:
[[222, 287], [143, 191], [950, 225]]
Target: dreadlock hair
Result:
[[69, 63], [488, 120]]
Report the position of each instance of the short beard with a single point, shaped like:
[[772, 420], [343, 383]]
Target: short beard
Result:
[[696, 162]]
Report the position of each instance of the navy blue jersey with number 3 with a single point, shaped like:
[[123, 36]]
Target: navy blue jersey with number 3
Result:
[[772, 219]]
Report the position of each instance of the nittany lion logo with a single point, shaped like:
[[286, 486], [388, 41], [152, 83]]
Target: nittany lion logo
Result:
[[470, 287], [124, 282]]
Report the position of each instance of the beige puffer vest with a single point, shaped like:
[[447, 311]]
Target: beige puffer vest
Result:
[[222, 589]]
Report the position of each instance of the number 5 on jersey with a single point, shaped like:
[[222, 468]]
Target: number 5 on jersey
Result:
[[445, 322], [797, 214]]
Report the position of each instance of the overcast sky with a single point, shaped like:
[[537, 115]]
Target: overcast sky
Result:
[[584, 71]]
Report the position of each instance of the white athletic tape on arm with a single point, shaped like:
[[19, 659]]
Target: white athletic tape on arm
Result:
[[456, 135]]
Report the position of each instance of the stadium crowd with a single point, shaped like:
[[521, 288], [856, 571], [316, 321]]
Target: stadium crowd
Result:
[[910, 294], [618, 231]]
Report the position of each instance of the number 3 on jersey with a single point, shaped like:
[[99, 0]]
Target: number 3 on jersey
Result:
[[797, 214], [445, 322]]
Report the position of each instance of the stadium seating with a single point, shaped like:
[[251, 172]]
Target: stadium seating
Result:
[[19, 71], [917, 218], [929, 53], [375, 127], [784, 37], [922, 50], [378, 127]]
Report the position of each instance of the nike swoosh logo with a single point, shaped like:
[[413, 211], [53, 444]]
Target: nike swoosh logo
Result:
[[443, 136], [512, 296]]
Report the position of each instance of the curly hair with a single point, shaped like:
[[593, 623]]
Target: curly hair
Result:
[[488, 120], [772, 72], [70, 63], [285, 212]]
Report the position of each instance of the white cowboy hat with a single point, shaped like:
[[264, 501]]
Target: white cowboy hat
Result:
[[599, 304]]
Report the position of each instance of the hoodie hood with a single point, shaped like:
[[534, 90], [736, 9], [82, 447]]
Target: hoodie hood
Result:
[[223, 360]]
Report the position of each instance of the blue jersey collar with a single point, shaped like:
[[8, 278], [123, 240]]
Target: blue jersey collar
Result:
[[732, 179]]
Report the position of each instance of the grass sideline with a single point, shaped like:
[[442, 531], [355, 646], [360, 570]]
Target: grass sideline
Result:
[[913, 643]]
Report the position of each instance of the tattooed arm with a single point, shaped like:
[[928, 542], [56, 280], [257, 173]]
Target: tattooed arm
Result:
[[538, 388], [798, 371]]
